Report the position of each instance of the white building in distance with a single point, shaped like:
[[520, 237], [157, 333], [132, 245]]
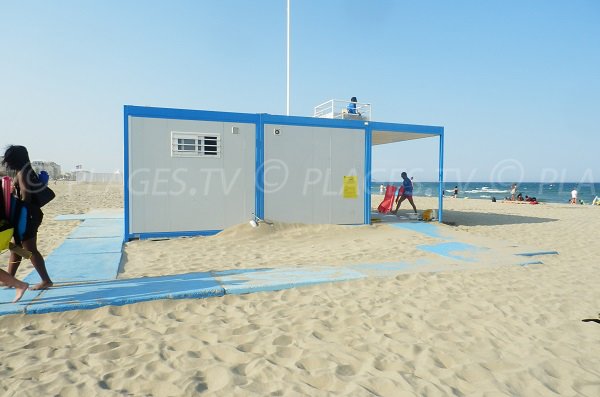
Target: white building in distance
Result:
[[50, 167]]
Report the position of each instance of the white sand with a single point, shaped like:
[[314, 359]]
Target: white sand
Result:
[[495, 332]]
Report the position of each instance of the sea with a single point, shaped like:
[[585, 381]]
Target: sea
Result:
[[543, 192]]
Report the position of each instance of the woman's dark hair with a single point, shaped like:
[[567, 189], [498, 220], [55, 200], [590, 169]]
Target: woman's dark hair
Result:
[[15, 157], [353, 99]]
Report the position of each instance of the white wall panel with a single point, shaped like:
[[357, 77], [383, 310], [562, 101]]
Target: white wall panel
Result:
[[304, 170], [174, 194]]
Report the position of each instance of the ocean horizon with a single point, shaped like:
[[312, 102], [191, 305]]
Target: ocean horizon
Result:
[[542, 191]]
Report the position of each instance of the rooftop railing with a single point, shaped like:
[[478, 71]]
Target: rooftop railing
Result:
[[338, 109]]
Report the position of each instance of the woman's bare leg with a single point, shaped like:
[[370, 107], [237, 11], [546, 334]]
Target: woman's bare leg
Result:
[[37, 260], [13, 263], [398, 202], [410, 200], [19, 286]]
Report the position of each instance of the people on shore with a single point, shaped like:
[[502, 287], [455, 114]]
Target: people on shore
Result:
[[513, 191], [16, 158], [455, 193], [573, 196], [405, 193], [531, 200]]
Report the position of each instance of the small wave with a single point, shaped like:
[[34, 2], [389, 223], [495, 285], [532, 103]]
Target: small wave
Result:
[[475, 191]]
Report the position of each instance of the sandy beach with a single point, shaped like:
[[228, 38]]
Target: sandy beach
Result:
[[506, 331]]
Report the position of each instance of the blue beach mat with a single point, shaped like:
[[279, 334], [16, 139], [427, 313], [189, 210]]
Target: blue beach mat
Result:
[[455, 250], [85, 268], [6, 297], [538, 253], [95, 214], [124, 292], [85, 231], [78, 268], [98, 245], [92, 252], [256, 280], [428, 229]]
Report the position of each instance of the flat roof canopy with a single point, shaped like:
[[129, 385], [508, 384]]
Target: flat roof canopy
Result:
[[383, 137], [389, 133]]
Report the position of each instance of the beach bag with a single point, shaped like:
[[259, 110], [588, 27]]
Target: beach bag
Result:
[[6, 234], [43, 197], [42, 194], [428, 215]]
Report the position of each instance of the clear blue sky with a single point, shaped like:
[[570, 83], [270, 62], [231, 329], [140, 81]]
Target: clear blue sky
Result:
[[515, 83]]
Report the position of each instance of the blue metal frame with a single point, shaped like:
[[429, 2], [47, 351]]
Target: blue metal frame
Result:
[[260, 120], [188, 114], [312, 121], [260, 171], [441, 179], [420, 129], [407, 128], [368, 155], [126, 172]]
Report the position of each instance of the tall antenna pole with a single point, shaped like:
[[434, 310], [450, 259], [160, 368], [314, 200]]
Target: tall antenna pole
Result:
[[288, 60]]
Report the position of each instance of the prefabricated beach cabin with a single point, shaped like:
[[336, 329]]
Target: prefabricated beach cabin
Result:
[[197, 172]]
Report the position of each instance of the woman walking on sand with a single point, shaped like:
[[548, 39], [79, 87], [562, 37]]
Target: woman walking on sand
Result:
[[16, 158]]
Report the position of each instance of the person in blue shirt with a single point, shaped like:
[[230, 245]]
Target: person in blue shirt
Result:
[[405, 193], [352, 106]]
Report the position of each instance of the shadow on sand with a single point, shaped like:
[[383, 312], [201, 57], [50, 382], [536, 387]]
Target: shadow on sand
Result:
[[467, 218]]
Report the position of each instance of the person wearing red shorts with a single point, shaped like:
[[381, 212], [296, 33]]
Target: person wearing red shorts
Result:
[[405, 193]]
